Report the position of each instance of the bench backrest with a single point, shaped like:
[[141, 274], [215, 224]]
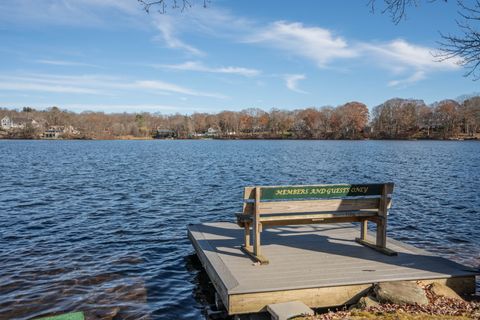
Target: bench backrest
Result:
[[318, 199]]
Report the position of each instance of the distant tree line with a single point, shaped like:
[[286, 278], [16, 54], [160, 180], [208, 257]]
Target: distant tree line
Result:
[[393, 119]]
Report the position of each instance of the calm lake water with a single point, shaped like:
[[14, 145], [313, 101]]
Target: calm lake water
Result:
[[101, 225]]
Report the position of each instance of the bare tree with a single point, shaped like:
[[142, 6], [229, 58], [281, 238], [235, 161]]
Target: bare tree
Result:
[[466, 45]]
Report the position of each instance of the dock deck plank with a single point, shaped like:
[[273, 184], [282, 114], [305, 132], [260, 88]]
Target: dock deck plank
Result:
[[310, 256]]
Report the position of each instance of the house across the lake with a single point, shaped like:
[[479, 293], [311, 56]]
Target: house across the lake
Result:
[[164, 134], [212, 132], [56, 132], [8, 123]]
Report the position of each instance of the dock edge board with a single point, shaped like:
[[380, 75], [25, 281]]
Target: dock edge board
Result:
[[327, 296], [220, 286]]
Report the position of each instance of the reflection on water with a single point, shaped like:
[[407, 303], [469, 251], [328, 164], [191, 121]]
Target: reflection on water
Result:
[[100, 226]]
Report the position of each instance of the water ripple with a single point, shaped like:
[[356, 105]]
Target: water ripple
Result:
[[100, 226]]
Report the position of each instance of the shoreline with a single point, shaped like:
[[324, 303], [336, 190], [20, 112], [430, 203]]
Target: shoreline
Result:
[[239, 139]]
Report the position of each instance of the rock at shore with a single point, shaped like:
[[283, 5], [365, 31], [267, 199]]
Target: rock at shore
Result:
[[400, 292], [366, 302], [439, 289]]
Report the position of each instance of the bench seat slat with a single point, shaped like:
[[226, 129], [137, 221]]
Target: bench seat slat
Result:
[[317, 205], [319, 215], [313, 215]]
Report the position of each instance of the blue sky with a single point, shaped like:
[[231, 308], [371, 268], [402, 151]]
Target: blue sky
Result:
[[109, 55]]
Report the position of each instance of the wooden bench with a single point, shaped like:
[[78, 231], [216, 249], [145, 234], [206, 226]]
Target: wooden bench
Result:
[[291, 205]]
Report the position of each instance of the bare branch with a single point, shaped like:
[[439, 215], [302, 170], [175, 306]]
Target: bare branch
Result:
[[396, 8], [466, 45], [162, 5]]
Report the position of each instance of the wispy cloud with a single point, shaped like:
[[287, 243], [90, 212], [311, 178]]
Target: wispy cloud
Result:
[[401, 57], [409, 55], [213, 22], [405, 62], [316, 44], [86, 13], [65, 63], [291, 81], [94, 84], [112, 108], [57, 88], [417, 76], [168, 36], [322, 46], [173, 88], [200, 67]]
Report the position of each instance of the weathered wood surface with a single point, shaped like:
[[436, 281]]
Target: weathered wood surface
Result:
[[317, 206], [288, 205], [308, 257]]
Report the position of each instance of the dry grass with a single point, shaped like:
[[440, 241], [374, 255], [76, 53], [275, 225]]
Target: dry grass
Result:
[[439, 308]]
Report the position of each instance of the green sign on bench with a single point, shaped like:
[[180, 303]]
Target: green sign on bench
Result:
[[67, 316], [323, 192]]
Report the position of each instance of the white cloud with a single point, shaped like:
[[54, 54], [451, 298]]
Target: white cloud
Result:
[[213, 21], [94, 84], [111, 108], [168, 29], [409, 55], [407, 62], [85, 13], [65, 63], [404, 58], [58, 88], [314, 43], [198, 66], [417, 76], [291, 81], [173, 88]]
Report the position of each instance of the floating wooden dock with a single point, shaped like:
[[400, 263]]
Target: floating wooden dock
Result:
[[320, 265]]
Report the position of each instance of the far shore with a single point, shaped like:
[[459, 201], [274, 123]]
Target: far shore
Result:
[[132, 138]]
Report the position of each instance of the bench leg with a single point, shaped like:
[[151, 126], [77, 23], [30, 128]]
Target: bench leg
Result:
[[364, 229], [256, 239], [381, 238], [382, 233], [248, 245], [256, 253]]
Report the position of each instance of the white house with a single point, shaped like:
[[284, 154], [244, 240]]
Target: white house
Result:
[[8, 123], [55, 132], [211, 132]]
